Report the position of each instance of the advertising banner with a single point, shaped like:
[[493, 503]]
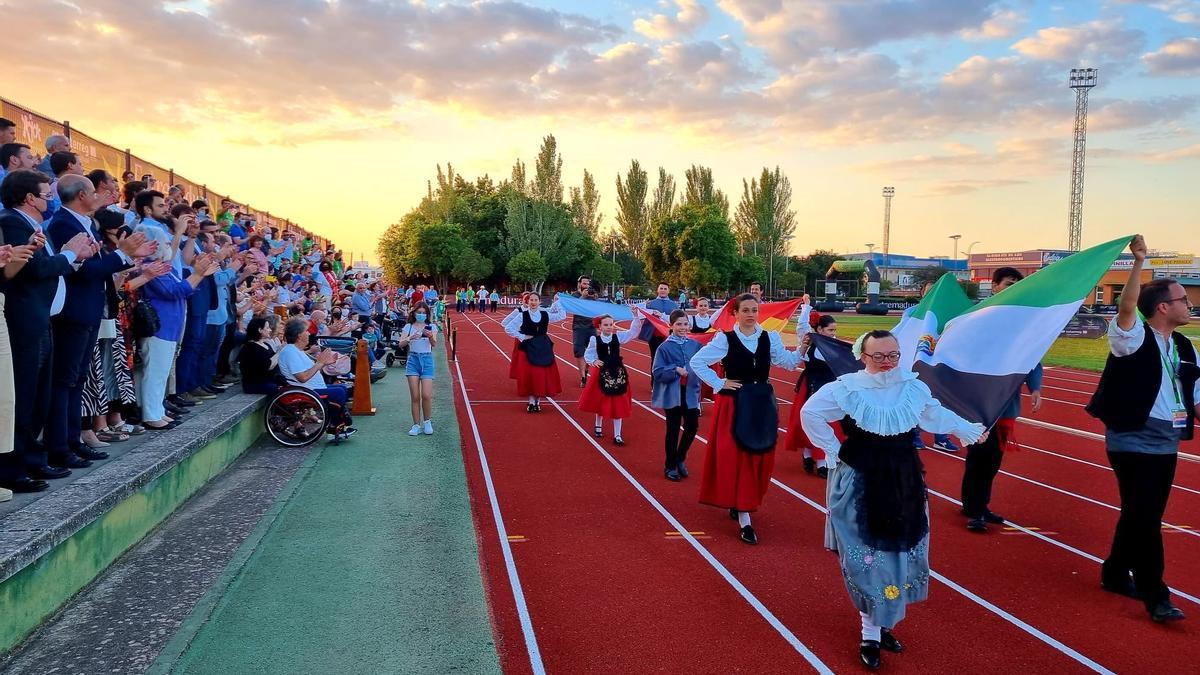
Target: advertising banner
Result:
[[97, 155]]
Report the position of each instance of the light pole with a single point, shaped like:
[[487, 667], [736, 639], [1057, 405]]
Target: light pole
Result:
[[956, 237], [971, 247], [888, 193], [870, 248]]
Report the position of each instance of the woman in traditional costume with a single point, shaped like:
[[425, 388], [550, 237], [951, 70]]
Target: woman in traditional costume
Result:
[[741, 446], [607, 393], [816, 374], [878, 509], [533, 364]]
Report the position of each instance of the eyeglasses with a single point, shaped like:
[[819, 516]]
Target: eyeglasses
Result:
[[46, 197], [880, 357], [1183, 299]]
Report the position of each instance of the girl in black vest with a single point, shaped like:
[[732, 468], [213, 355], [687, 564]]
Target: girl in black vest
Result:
[[738, 465], [533, 364], [816, 375], [604, 395]]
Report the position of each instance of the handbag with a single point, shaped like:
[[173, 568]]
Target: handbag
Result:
[[756, 417], [339, 367], [613, 381], [145, 320]]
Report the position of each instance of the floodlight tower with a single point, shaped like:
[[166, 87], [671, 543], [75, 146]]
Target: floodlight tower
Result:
[[1081, 80], [888, 193]]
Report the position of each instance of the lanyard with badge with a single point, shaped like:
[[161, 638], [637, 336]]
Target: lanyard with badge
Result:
[[1179, 417]]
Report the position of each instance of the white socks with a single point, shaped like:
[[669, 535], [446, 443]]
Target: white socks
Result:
[[820, 463], [617, 427], [532, 400], [743, 518], [869, 630]]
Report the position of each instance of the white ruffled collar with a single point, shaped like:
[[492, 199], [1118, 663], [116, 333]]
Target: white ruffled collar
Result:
[[866, 399]]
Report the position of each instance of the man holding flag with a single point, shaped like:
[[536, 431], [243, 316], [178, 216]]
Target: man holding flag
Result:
[[983, 459], [1147, 400], [663, 305]]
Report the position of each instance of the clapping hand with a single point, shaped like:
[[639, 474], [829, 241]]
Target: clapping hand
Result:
[[327, 357], [136, 245], [5, 254], [81, 245], [155, 269]]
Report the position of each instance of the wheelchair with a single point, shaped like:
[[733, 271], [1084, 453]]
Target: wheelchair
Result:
[[296, 417]]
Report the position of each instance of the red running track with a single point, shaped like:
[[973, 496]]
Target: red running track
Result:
[[607, 588]]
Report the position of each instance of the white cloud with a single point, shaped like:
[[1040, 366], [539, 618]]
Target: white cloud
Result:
[[1085, 43], [690, 17], [1178, 57], [1003, 24]]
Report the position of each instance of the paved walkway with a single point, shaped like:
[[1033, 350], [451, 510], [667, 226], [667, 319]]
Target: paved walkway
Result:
[[369, 565]]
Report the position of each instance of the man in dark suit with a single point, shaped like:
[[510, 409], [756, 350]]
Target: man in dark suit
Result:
[[32, 295], [76, 327]]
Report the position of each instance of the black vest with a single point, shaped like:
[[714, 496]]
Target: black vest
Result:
[[744, 365], [528, 327], [817, 371], [1130, 385], [609, 352]]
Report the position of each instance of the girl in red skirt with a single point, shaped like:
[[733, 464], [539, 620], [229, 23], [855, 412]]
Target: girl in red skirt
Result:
[[737, 470], [607, 393], [816, 375], [533, 364]]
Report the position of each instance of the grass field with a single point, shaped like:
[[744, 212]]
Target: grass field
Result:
[[1068, 352]]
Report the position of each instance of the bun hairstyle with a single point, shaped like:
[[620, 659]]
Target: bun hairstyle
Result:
[[675, 316], [861, 342], [823, 321], [736, 303]]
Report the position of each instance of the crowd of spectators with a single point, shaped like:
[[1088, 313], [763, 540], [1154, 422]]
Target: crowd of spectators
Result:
[[127, 309]]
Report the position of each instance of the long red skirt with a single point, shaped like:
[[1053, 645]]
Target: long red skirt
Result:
[[732, 478], [533, 380], [796, 438], [598, 403]]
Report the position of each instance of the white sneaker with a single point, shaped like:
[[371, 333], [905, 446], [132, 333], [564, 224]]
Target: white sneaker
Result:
[[428, 428], [415, 430]]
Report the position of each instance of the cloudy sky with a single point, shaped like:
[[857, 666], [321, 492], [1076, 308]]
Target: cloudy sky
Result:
[[336, 112]]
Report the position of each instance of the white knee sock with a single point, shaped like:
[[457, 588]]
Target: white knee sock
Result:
[[807, 453], [532, 400], [743, 518], [617, 427], [869, 630], [599, 421], [820, 463]]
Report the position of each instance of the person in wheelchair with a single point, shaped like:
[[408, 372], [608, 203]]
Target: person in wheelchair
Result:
[[299, 369]]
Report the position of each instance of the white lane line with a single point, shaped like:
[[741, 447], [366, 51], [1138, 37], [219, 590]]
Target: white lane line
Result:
[[1068, 493], [684, 533], [1090, 435], [973, 597], [1093, 464], [531, 644]]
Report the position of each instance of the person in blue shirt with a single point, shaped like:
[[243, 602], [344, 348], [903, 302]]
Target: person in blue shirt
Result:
[[238, 233], [431, 295], [676, 391], [361, 302], [664, 305]]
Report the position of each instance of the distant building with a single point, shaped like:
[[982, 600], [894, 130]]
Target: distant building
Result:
[[1183, 267], [900, 268]]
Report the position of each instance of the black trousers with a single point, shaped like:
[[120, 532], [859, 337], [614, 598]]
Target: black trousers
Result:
[[1144, 482], [983, 463], [74, 345], [31, 388], [227, 346], [676, 445]]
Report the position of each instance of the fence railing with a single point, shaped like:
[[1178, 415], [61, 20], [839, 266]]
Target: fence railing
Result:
[[34, 128]]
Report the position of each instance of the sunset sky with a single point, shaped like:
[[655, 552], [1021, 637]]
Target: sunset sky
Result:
[[335, 112]]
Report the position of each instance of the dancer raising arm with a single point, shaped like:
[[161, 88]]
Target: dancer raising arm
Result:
[[741, 447], [607, 393], [533, 364], [878, 512]]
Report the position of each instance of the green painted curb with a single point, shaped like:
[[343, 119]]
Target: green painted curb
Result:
[[37, 591]]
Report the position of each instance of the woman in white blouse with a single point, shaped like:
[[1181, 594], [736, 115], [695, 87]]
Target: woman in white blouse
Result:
[[607, 393], [737, 467], [533, 364], [878, 513]]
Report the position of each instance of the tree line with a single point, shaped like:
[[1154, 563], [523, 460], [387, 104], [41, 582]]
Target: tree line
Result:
[[529, 230]]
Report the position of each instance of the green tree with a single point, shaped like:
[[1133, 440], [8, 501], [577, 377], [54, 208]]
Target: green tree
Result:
[[603, 272], [631, 208], [436, 249], [701, 276], [701, 190], [663, 200], [529, 268], [928, 275], [747, 269], [547, 178], [585, 206], [814, 266], [791, 280], [696, 233], [471, 267], [765, 219]]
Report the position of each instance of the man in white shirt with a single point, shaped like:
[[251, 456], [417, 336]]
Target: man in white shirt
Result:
[[296, 366], [1147, 399]]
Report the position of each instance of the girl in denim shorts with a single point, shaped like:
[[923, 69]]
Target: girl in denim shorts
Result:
[[420, 336]]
